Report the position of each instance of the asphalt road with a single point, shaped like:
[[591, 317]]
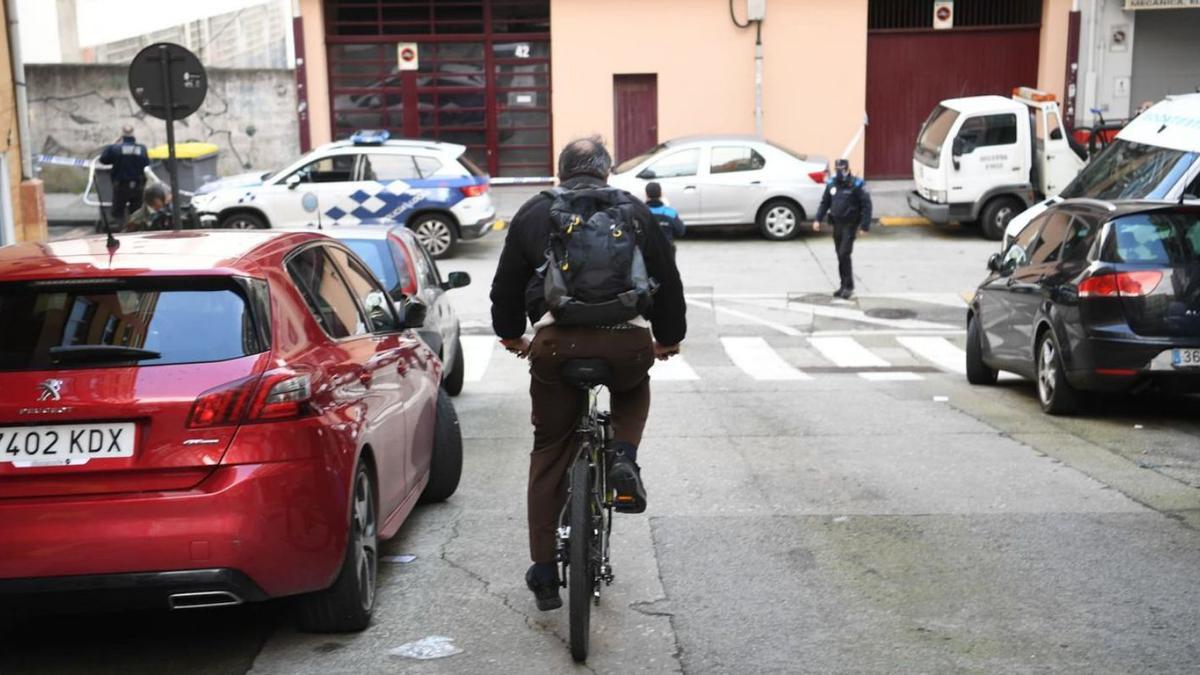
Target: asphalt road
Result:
[[827, 494]]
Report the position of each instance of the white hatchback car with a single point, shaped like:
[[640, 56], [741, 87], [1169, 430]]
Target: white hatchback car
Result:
[[730, 180], [427, 186]]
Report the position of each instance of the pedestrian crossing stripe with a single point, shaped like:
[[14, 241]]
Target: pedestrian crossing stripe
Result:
[[758, 360]]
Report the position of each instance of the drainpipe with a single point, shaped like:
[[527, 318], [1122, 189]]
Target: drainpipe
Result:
[[757, 78], [18, 72]]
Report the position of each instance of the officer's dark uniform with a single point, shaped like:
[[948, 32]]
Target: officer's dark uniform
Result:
[[848, 206], [128, 160]]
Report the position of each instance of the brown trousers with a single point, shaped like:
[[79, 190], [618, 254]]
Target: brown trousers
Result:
[[557, 407]]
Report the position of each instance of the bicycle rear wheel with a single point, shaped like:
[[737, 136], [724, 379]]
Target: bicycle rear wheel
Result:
[[580, 575]]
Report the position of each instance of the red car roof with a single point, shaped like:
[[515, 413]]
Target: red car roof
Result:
[[151, 253]]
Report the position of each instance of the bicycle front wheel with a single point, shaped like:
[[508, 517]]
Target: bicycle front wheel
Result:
[[580, 575]]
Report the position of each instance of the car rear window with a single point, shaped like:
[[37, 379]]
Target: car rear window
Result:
[[183, 320], [471, 167], [1171, 238]]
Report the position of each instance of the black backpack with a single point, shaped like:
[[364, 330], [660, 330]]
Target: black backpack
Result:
[[594, 273]]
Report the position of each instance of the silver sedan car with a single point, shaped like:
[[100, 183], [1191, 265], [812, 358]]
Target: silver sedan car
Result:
[[730, 180]]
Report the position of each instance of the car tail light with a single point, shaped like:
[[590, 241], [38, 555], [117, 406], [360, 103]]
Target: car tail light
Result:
[[278, 394], [474, 190], [819, 176], [1122, 284], [222, 405], [282, 393]]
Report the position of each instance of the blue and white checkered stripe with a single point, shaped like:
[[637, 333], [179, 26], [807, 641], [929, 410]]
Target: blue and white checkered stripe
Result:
[[390, 203]]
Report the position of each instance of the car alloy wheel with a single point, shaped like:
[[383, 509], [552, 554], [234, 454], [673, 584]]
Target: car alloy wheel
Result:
[[1047, 372], [435, 235], [780, 221], [365, 540]]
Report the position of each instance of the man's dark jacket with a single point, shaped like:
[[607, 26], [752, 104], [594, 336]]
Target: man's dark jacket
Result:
[[517, 289], [128, 160], [846, 202]]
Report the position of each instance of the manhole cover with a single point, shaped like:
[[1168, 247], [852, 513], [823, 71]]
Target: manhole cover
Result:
[[890, 313]]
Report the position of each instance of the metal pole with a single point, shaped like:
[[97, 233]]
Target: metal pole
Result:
[[165, 61], [18, 69], [758, 79]]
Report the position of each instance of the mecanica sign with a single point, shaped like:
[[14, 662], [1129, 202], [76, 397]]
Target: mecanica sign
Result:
[[1162, 4]]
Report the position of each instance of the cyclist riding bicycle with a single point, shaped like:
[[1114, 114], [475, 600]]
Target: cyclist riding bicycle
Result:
[[534, 250]]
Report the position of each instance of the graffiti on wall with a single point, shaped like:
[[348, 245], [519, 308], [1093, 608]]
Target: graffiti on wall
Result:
[[252, 130]]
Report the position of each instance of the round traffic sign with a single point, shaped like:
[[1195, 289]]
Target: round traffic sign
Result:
[[407, 54], [943, 13], [185, 83]]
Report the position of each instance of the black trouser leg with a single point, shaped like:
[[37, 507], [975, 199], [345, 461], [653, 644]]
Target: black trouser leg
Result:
[[127, 198], [843, 241]]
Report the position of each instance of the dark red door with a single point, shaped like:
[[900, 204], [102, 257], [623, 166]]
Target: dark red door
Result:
[[909, 72], [635, 114]]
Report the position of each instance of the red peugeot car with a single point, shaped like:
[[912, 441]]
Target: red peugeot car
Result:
[[196, 419]]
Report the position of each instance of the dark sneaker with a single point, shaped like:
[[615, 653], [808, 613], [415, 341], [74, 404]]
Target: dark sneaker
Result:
[[625, 477], [848, 293], [838, 292], [544, 589]]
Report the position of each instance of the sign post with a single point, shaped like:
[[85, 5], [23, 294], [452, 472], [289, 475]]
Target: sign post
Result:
[[168, 82]]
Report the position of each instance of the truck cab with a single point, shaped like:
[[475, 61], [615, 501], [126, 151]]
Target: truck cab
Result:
[[987, 158]]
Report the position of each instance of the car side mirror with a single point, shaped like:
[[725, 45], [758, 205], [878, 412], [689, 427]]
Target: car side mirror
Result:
[[412, 313], [646, 174], [292, 181], [456, 280]]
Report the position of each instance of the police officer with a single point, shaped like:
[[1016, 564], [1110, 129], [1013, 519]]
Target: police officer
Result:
[[128, 160], [849, 208], [666, 216]]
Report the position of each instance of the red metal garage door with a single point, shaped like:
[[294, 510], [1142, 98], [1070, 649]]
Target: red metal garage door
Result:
[[910, 68], [484, 77]]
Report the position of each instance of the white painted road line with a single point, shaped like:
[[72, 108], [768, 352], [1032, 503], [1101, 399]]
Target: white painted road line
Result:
[[673, 369], [891, 376], [782, 328], [937, 350], [846, 352], [477, 353], [756, 358]]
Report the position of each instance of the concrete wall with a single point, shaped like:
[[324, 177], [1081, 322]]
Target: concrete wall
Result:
[[705, 68], [316, 61], [75, 110], [1052, 50], [1105, 68]]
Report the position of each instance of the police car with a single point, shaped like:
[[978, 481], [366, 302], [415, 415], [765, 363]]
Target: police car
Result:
[[430, 187]]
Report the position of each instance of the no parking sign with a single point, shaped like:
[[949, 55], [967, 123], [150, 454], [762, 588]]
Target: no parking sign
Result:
[[943, 14], [406, 54]]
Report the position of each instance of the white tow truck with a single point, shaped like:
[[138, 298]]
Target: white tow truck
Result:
[[984, 159]]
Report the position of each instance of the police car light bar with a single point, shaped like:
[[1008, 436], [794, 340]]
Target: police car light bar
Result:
[[370, 137]]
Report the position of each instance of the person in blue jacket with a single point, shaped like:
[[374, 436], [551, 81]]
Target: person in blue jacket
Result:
[[666, 216], [848, 206]]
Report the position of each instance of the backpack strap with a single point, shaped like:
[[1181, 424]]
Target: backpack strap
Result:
[[554, 192]]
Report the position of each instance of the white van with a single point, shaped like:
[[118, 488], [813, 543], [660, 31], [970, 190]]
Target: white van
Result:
[[1156, 156], [985, 159]]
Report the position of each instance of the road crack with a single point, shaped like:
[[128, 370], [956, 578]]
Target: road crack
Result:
[[645, 607], [530, 622]]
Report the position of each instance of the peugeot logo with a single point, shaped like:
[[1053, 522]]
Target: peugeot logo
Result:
[[50, 390]]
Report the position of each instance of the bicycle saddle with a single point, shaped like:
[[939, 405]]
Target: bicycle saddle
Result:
[[586, 373]]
